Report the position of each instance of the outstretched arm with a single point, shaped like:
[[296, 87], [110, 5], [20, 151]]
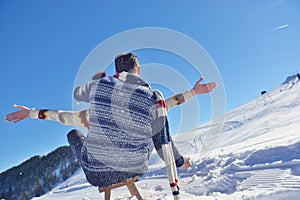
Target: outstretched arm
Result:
[[71, 118], [189, 94]]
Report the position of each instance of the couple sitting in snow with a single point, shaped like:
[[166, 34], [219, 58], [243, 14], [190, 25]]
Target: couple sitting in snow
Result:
[[125, 121]]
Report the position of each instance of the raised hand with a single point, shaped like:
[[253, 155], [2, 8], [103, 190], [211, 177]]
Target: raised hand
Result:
[[19, 115], [203, 88]]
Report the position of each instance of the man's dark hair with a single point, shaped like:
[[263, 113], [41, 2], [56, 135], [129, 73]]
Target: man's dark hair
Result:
[[127, 62]]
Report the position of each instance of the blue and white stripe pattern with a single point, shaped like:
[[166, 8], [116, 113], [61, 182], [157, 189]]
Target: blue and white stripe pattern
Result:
[[120, 126], [126, 119]]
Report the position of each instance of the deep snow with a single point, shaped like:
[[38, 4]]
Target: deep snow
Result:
[[257, 157]]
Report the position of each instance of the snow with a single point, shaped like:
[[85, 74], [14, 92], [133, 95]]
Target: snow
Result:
[[257, 157]]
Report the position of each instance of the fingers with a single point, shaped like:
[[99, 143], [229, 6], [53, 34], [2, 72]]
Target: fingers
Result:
[[187, 163], [199, 86], [20, 107], [17, 106], [10, 117], [200, 80], [19, 115], [204, 88], [17, 120], [211, 86], [13, 119]]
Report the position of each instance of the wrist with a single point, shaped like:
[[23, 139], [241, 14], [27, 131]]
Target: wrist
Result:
[[193, 92], [33, 113]]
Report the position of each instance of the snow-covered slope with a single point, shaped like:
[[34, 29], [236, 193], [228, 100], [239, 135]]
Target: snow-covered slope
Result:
[[257, 156]]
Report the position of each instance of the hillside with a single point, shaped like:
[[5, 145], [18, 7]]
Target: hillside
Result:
[[37, 175]]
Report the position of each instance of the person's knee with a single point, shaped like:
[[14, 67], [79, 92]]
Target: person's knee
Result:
[[75, 137], [74, 134]]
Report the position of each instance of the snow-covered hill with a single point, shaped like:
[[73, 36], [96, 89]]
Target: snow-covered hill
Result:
[[257, 156]]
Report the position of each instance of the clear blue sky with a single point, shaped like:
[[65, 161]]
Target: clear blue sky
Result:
[[255, 45]]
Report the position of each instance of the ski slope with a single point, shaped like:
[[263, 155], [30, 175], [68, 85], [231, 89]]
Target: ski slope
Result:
[[257, 157]]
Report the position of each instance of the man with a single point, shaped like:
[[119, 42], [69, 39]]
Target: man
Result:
[[125, 121], [124, 118]]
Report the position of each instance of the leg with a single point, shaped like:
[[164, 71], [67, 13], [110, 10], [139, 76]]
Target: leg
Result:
[[76, 139]]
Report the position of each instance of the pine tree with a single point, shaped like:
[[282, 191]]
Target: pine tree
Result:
[[38, 188], [64, 172], [53, 178]]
